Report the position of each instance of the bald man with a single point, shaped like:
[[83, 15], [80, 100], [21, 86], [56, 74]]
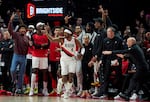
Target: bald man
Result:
[[136, 55]]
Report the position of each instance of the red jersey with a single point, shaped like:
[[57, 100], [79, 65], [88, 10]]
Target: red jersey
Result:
[[30, 50], [54, 54], [38, 50]]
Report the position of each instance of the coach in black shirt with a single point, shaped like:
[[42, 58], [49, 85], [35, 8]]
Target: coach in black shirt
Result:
[[111, 62], [137, 57]]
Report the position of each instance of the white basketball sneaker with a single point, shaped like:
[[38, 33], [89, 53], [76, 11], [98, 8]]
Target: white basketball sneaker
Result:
[[45, 92], [31, 93], [134, 96]]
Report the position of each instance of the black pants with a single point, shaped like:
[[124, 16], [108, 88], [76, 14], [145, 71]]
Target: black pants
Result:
[[29, 68], [136, 82], [126, 80], [6, 77], [87, 75], [117, 81], [54, 68], [52, 81]]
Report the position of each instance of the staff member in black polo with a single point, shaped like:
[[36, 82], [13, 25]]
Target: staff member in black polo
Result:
[[111, 62]]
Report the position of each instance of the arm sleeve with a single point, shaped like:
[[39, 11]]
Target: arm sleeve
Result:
[[121, 51], [7, 49], [10, 29]]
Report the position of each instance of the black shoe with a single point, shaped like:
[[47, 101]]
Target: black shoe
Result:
[[124, 96], [97, 96], [13, 87], [144, 97]]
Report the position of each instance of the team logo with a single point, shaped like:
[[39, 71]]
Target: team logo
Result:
[[31, 10]]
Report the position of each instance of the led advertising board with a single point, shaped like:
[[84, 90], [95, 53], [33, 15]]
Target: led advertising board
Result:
[[47, 10]]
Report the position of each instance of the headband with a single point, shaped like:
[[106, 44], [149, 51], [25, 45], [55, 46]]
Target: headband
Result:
[[67, 31]]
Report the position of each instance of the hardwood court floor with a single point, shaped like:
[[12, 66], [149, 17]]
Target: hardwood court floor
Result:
[[47, 99]]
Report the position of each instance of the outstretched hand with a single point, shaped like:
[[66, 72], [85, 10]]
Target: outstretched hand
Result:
[[101, 10], [47, 27], [107, 52], [12, 16], [18, 13], [120, 55], [91, 63], [67, 18]]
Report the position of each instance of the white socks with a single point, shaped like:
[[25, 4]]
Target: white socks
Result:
[[59, 85], [33, 79], [68, 86]]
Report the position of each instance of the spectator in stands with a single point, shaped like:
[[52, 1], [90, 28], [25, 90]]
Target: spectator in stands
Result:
[[146, 47], [21, 44], [105, 16], [89, 31], [140, 36], [142, 17], [6, 49]]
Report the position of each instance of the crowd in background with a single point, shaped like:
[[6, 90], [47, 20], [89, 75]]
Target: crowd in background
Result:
[[31, 63]]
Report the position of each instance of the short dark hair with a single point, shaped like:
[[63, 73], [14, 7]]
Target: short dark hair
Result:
[[55, 27], [91, 24], [22, 25], [115, 26], [99, 19]]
